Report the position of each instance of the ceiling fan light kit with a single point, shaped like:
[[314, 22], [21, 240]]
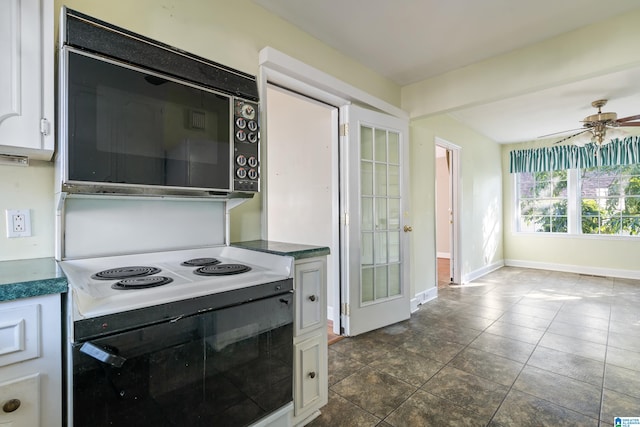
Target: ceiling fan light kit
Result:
[[601, 128]]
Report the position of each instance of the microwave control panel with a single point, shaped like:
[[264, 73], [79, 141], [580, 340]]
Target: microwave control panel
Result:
[[246, 129]]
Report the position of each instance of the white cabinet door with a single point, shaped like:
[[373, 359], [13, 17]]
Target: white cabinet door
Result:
[[311, 295], [19, 334], [26, 78], [19, 402], [311, 377]]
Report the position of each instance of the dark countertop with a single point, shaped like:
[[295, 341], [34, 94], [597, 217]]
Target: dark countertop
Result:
[[294, 250], [30, 278]]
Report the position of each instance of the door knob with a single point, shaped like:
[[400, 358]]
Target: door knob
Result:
[[408, 228]]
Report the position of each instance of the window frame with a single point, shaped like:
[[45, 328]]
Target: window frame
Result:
[[574, 211]]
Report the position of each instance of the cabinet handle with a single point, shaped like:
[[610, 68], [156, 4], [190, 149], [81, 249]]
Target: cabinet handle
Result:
[[11, 405], [312, 298], [312, 375]]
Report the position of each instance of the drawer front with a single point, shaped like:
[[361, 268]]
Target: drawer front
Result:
[[311, 375], [19, 402], [311, 296], [19, 334]]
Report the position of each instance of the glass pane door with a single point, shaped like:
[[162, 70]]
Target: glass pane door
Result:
[[380, 213]]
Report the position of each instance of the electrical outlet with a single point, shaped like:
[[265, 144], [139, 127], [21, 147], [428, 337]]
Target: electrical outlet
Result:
[[18, 223]]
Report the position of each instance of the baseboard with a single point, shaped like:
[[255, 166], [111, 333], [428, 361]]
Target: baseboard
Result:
[[476, 274], [422, 297], [578, 269], [443, 255]]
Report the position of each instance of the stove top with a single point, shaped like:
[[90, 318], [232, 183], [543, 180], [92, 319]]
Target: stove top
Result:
[[106, 285]]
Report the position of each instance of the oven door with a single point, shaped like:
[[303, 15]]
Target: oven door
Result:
[[228, 367]]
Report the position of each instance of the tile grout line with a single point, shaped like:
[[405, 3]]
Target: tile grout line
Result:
[[604, 368], [524, 365]]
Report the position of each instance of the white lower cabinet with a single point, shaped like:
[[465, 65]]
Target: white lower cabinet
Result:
[[20, 399], [311, 388], [30, 362], [310, 391]]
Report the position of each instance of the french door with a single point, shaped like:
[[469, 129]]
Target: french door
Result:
[[375, 229]]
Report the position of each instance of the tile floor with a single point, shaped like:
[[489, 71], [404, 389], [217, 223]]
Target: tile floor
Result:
[[518, 347]]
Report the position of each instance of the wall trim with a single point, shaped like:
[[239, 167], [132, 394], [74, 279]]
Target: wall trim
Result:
[[281, 65], [579, 269], [476, 274], [422, 297], [443, 255]]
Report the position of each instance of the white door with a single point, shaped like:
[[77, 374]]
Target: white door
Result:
[[375, 229]]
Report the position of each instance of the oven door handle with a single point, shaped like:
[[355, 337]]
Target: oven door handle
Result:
[[103, 355]]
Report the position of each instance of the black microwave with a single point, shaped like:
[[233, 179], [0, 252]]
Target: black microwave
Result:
[[141, 117]]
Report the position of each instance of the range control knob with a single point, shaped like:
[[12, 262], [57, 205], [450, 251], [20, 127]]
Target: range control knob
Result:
[[252, 125], [241, 160], [253, 174], [253, 162], [253, 137], [241, 123], [241, 173], [241, 135], [248, 111]]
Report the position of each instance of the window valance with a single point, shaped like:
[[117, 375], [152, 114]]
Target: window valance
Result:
[[617, 152]]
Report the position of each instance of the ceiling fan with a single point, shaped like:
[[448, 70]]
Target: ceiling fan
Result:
[[596, 126]]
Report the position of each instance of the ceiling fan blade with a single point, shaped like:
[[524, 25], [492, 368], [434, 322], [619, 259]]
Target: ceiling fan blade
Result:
[[571, 136], [627, 119], [629, 124], [562, 131]]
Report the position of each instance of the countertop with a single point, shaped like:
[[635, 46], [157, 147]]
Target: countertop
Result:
[[30, 278], [295, 250]]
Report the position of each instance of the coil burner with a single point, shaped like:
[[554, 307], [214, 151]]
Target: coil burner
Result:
[[142, 282], [125, 272], [222, 269], [200, 262]]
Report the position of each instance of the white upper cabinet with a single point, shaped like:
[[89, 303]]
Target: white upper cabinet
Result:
[[26, 78]]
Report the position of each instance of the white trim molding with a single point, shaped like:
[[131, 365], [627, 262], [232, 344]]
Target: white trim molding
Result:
[[578, 269], [422, 297], [329, 88], [476, 274]]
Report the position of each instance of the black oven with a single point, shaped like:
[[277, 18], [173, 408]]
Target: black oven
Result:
[[217, 360]]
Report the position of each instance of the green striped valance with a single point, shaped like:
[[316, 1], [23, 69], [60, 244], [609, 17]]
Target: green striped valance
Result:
[[617, 152]]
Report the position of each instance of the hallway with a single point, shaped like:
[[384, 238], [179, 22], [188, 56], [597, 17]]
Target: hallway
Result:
[[518, 347]]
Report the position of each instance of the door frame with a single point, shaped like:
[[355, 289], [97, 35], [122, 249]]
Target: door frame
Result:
[[283, 70], [455, 263]]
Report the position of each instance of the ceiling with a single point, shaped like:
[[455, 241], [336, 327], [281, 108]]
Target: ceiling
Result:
[[411, 40]]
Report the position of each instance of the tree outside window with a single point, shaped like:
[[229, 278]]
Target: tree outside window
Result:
[[610, 200], [607, 199], [543, 201]]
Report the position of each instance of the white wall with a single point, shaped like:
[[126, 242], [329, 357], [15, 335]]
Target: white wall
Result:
[[481, 200], [28, 188]]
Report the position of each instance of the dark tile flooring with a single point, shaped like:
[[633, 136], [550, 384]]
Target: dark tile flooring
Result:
[[518, 347]]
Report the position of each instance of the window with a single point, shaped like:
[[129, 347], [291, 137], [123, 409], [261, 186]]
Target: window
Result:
[[606, 200], [543, 201], [610, 200]]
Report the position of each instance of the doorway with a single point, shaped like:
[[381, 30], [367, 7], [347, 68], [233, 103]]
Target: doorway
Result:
[[302, 195], [447, 173], [281, 71]]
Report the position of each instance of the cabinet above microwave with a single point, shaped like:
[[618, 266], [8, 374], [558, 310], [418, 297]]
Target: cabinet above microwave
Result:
[[26, 82]]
